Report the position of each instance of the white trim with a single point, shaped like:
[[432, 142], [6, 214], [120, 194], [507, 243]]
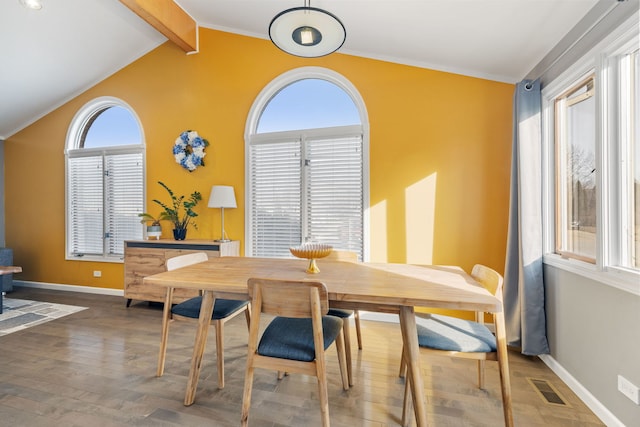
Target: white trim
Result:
[[86, 112], [583, 394], [624, 280], [302, 73], [294, 135], [68, 288], [599, 60], [379, 317], [385, 58]]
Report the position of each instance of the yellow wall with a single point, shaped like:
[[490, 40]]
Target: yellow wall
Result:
[[439, 153]]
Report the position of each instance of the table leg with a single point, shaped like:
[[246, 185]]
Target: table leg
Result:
[[206, 310], [412, 355]]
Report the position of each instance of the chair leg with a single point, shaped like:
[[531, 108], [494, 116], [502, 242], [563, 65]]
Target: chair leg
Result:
[[321, 373], [481, 374], [164, 335], [406, 402], [219, 326], [246, 395], [403, 366], [342, 361], [347, 343], [247, 315], [356, 316], [503, 368]]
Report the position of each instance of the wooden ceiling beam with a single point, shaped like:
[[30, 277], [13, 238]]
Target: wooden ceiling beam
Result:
[[168, 18]]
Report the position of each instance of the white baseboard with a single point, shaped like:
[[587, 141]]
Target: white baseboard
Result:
[[68, 288], [594, 404], [379, 317]]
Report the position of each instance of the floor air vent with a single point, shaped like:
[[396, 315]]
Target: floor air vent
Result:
[[547, 392]]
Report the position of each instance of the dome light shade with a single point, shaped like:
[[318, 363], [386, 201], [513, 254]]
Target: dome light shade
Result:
[[307, 31], [32, 4]]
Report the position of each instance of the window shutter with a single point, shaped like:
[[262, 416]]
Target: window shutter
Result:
[[85, 225], [306, 191], [334, 188], [124, 186], [275, 180]]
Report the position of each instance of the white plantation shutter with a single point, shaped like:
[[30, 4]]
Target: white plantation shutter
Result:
[[334, 191], [124, 184], [307, 189], [275, 185], [105, 194], [85, 206]]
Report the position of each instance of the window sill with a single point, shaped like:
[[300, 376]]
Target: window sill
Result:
[[115, 259], [625, 280]]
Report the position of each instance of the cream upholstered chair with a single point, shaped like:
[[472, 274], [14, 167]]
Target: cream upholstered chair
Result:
[[223, 310], [296, 340], [454, 337], [346, 314]]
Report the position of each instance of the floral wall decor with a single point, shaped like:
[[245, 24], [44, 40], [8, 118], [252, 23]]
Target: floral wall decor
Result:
[[188, 150]]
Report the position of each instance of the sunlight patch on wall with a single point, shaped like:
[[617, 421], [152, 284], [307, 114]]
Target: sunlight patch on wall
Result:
[[420, 206], [378, 218]]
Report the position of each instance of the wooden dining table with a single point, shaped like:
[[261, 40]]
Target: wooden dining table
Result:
[[379, 287]]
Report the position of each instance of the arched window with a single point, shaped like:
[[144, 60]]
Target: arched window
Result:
[[104, 180], [307, 165]]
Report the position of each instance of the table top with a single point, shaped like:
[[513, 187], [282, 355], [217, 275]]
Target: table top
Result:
[[9, 269], [372, 286]]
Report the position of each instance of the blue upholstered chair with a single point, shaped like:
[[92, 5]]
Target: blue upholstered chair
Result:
[[295, 340], [450, 336], [6, 280], [223, 310], [348, 256]]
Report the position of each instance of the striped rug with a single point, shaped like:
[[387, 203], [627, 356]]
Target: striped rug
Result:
[[19, 314]]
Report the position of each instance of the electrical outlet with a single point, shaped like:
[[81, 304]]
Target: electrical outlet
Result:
[[629, 389], [97, 273]]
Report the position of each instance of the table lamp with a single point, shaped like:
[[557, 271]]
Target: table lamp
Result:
[[222, 196]]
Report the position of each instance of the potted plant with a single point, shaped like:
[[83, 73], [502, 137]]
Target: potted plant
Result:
[[154, 229], [180, 211]]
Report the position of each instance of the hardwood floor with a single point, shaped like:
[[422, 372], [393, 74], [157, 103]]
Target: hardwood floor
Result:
[[97, 368]]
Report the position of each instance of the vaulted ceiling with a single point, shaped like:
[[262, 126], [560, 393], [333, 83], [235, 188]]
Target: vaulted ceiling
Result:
[[49, 56]]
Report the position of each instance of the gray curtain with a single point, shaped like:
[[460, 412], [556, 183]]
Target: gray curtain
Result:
[[524, 285]]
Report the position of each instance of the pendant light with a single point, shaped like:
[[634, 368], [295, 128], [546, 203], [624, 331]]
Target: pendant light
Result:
[[307, 31]]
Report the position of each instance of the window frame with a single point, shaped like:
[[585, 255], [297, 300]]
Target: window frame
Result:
[[252, 137], [83, 118], [566, 100], [601, 60]]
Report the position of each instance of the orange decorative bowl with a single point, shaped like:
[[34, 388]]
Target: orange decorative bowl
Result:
[[311, 251]]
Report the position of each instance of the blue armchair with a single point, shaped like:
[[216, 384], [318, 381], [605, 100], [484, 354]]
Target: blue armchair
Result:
[[6, 280]]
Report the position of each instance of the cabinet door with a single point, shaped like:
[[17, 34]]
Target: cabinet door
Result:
[[142, 262], [144, 258]]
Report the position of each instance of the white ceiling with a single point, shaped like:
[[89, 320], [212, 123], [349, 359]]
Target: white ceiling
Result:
[[49, 56]]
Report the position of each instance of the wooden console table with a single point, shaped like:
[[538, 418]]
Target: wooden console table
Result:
[[146, 257]]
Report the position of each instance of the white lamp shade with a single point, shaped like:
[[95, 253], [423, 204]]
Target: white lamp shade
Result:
[[222, 196], [327, 30]]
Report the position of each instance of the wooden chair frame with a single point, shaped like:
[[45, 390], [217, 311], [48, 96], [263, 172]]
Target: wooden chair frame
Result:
[[493, 282], [348, 256], [298, 300], [167, 316]]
